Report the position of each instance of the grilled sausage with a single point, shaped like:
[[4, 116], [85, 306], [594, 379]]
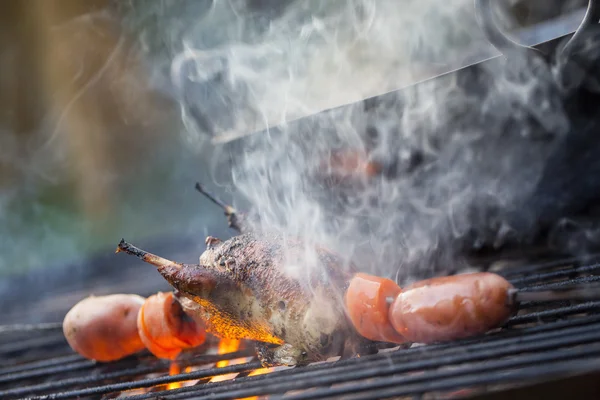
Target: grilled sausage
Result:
[[366, 304], [165, 329], [104, 328], [347, 166], [449, 308]]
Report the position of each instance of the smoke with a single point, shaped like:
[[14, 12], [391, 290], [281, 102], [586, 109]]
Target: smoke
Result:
[[459, 154], [445, 160]]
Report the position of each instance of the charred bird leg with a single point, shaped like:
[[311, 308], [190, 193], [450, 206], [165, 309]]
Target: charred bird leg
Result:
[[230, 212], [145, 256], [185, 278]]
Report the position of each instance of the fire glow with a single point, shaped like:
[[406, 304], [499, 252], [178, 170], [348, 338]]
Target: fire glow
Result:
[[225, 346], [175, 369]]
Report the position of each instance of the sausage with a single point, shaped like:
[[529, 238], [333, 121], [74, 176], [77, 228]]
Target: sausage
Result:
[[348, 165], [450, 308], [367, 308], [104, 328], [165, 329]]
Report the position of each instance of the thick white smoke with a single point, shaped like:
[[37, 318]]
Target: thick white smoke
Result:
[[450, 147]]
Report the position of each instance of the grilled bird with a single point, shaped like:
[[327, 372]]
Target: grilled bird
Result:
[[265, 290]]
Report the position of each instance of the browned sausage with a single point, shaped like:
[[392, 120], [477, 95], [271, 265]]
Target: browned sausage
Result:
[[166, 329], [449, 308], [367, 307], [104, 328]]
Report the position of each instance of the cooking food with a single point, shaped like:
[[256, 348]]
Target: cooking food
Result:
[[367, 307], [165, 329], [245, 292], [349, 164], [104, 328], [453, 307]]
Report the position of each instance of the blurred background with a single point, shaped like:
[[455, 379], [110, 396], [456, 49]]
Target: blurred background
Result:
[[93, 142]]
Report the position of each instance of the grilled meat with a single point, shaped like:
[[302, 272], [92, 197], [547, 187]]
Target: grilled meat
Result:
[[266, 290]]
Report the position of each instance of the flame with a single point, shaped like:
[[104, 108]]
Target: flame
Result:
[[260, 371], [225, 346], [229, 346], [174, 370]]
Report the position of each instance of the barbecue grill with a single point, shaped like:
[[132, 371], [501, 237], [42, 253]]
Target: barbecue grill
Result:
[[543, 342], [549, 349]]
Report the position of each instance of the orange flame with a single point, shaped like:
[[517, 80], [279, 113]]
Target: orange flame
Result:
[[260, 371], [225, 346], [174, 370]]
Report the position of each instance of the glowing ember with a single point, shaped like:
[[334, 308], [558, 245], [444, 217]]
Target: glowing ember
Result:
[[226, 346], [174, 370]]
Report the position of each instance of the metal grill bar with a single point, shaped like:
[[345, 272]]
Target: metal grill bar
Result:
[[539, 342], [55, 369], [592, 306], [562, 284], [473, 369], [62, 360], [392, 363], [157, 367], [31, 343], [397, 367], [144, 383], [533, 372], [570, 264], [451, 347], [49, 326], [555, 274]]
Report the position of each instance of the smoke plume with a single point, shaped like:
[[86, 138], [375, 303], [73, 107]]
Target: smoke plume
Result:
[[456, 156]]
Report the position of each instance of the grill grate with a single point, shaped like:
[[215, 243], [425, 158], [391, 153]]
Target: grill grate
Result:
[[543, 341]]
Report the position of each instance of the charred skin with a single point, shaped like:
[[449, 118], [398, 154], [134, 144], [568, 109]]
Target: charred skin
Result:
[[243, 291]]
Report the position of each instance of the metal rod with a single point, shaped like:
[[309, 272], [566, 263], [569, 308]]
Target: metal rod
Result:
[[565, 263], [540, 338], [474, 350], [37, 342], [157, 367], [234, 219], [577, 290], [229, 210], [49, 326], [503, 371], [392, 366], [554, 274], [379, 364], [554, 313]]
